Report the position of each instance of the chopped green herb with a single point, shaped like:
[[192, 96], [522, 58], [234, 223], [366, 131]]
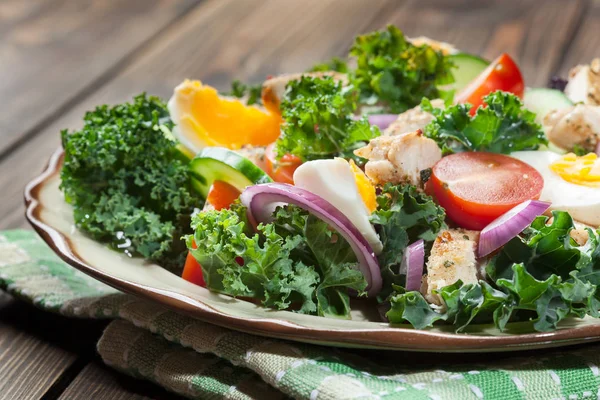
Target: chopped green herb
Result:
[[504, 126], [127, 181], [395, 74], [251, 93], [318, 123]]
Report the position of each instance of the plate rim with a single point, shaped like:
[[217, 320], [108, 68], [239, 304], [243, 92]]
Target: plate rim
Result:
[[398, 338]]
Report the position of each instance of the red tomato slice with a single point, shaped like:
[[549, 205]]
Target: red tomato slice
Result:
[[222, 195], [502, 74], [281, 170], [475, 187], [192, 271]]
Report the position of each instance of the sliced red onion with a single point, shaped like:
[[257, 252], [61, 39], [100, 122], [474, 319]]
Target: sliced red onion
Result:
[[382, 120], [598, 148], [508, 225], [262, 200], [413, 261]]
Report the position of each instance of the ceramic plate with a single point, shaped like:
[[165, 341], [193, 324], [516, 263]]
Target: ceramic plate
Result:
[[52, 218]]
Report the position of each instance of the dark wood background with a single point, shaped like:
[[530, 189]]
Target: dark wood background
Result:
[[59, 58]]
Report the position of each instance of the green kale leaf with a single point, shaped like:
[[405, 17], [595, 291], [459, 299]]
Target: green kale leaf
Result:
[[296, 261], [395, 74], [335, 64], [127, 181], [338, 268], [503, 126], [403, 216], [544, 249], [411, 307], [250, 93], [240, 263], [318, 123]]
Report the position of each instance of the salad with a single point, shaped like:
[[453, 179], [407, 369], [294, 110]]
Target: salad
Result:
[[430, 183]]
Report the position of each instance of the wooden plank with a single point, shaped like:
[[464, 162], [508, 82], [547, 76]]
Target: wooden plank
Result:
[[586, 44], [36, 347], [53, 51], [99, 382]]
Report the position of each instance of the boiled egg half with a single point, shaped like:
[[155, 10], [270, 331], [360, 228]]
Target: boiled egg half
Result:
[[204, 118], [571, 183], [347, 188]]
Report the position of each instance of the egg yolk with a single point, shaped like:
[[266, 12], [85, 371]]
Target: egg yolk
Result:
[[219, 121], [365, 187], [580, 170]]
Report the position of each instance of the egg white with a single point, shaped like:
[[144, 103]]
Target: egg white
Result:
[[334, 181], [582, 202]]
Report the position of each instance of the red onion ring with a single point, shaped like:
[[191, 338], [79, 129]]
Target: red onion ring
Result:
[[413, 261], [501, 230]]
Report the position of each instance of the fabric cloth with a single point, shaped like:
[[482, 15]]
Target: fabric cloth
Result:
[[204, 361]]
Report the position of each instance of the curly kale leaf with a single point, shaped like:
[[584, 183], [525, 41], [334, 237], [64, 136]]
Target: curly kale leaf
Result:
[[503, 126], [335, 64], [295, 261], [318, 121], [127, 181], [338, 268], [546, 249], [403, 216], [250, 93], [396, 74], [237, 262]]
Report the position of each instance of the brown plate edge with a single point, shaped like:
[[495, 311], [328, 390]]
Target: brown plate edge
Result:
[[391, 339]]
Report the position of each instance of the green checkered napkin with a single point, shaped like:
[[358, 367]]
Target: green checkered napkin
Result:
[[200, 360]]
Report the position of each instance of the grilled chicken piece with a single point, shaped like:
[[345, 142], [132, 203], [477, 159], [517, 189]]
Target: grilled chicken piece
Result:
[[577, 125], [452, 258], [445, 48], [273, 89], [399, 158], [411, 120], [584, 84]]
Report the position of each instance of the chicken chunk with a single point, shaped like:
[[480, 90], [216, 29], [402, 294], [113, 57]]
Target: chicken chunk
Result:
[[578, 125], [411, 120], [273, 89], [584, 84], [399, 158], [452, 258]]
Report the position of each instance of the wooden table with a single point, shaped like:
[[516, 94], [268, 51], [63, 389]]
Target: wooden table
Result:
[[59, 58]]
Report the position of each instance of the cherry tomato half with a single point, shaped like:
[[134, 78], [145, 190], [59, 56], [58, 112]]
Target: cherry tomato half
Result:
[[476, 187], [192, 270], [222, 195], [502, 74], [281, 170]]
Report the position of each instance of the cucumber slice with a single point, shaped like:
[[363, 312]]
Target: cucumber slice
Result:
[[218, 163], [467, 67], [541, 101]]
